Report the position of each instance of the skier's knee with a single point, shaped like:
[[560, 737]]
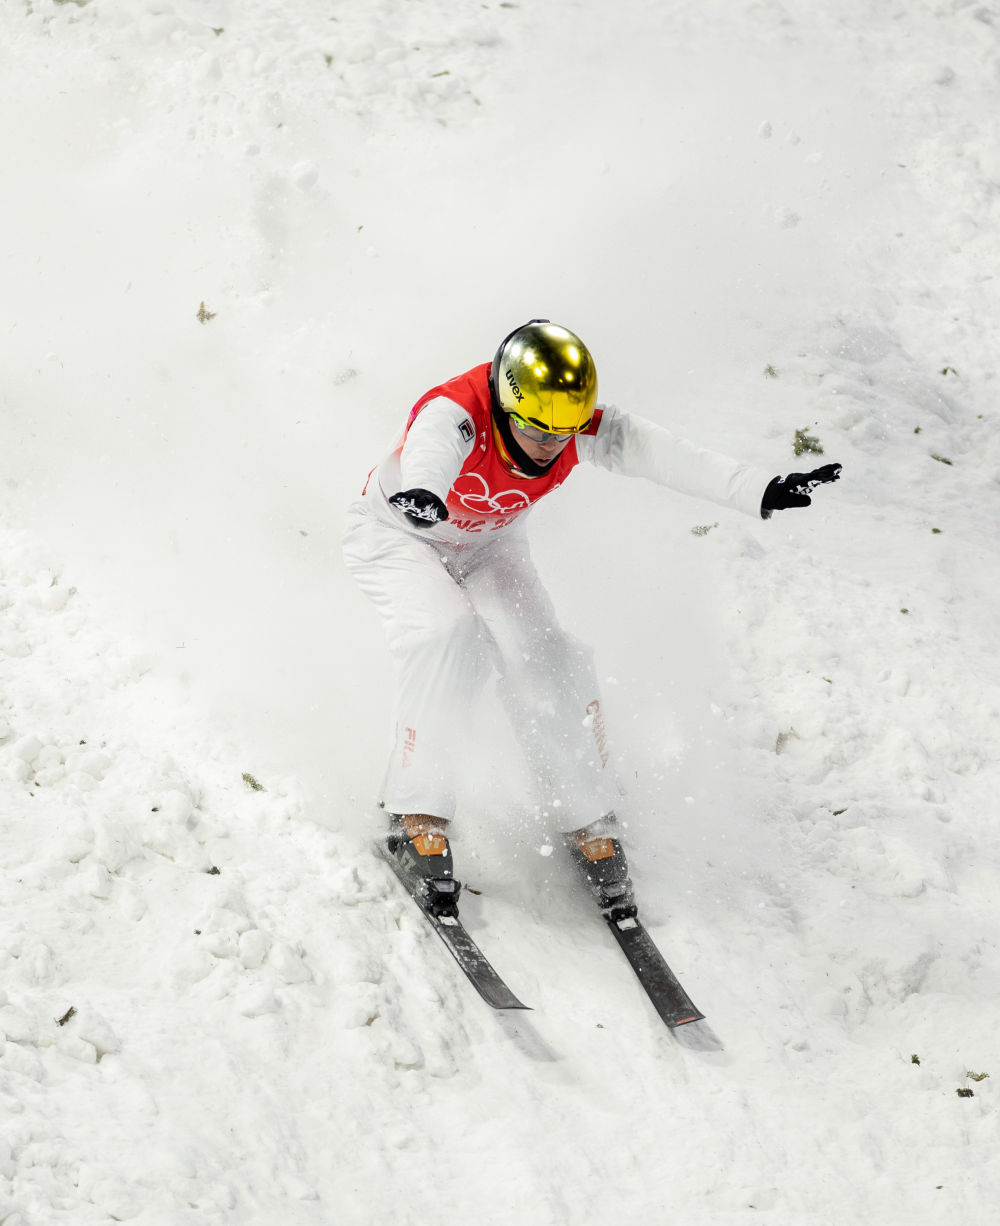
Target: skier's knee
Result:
[[551, 649], [449, 630]]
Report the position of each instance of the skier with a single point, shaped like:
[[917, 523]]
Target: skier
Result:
[[438, 543]]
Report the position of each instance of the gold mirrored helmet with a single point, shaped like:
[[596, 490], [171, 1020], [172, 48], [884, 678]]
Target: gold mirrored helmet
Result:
[[544, 375]]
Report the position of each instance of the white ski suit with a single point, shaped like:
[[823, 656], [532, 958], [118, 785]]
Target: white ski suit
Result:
[[463, 598]]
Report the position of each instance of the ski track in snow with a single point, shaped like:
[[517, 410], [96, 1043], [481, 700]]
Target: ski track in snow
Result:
[[215, 1006]]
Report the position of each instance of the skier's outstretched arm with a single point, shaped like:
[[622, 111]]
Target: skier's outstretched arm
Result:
[[636, 447]]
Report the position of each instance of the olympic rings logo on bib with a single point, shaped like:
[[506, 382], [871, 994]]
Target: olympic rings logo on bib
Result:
[[480, 499]]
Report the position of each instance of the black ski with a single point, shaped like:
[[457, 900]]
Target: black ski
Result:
[[463, 948], [662, 986], [606, 875]]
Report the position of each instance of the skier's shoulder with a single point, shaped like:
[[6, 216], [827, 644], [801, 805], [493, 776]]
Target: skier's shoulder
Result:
[[462, 402], [441, 410], [607, 427]]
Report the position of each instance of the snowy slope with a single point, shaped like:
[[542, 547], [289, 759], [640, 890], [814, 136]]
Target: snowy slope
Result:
[[238, 241]]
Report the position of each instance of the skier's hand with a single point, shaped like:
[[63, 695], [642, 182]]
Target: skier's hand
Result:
[[794, 490], [422, 508]]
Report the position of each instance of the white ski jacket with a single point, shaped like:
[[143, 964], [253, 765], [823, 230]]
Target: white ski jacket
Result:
[[449, 448]]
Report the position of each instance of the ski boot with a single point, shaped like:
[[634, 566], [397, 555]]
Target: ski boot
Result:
[[601, 860], [420, 847]]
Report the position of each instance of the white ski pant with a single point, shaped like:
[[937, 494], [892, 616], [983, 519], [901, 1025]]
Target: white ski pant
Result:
[[452, 614]]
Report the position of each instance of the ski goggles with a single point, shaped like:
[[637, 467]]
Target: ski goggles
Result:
[[538, 435]]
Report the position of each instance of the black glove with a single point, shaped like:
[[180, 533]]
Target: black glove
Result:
[[794, 490], [422, 508]]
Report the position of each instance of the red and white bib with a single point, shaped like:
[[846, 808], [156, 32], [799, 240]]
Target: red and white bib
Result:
[[487, 495]]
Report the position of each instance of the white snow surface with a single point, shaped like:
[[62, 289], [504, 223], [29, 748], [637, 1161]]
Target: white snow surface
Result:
[[238, 241]]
